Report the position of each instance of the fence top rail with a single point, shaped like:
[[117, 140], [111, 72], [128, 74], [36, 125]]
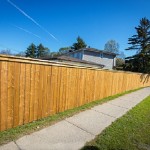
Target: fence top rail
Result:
[[54, 63]]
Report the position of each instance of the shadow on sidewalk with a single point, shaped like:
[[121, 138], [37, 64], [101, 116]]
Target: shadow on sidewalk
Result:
[[90, 148]]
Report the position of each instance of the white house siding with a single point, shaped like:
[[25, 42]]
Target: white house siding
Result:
[[106, 59], [92, 57], [109, 61]]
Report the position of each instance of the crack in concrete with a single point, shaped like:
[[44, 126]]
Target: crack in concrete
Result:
[[17, 145]]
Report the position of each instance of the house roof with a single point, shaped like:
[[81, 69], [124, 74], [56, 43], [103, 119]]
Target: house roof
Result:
[[92, 50], [71, 59]]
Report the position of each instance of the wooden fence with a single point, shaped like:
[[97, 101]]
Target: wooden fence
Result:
[[33, 89]]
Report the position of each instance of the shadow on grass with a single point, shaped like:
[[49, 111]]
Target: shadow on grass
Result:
[[96, 148], [90, 148]]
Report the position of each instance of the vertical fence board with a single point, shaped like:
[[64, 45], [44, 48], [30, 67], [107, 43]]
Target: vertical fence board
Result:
[[54, 89], [96, 90], [3, 98], [40, 104], [109, 84], [37, 79], [100, 81], [32, 93], [22, 94], [11, 91], [49, 70], [44, 88], [46, 91], [74, 85], [64, 75], [67, 89], [51, 92], [62, 88], [82, 82], [27, 93], [78, 88], [58, 89], [16, 94], [85, 82]]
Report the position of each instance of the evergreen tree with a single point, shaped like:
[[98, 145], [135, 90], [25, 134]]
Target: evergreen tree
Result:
[[42, 51], [31, 51], [141, 43], [79, 44]]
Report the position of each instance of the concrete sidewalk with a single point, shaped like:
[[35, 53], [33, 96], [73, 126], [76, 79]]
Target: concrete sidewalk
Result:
[[72, 133]]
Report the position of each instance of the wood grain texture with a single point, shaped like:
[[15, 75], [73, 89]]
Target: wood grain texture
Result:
[[22, 94], [37, 89], [16, 94], [11, 94], [27, 93], [33, 90], [4, 95]]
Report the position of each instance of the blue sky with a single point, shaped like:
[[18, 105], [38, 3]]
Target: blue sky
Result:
[[96, 21]]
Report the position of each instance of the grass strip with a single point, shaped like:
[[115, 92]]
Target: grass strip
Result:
[[130, 132], [17, 132]]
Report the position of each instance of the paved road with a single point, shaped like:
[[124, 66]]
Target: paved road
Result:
[[72, 133]]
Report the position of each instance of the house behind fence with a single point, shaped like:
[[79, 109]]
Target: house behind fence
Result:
[[107, 59]]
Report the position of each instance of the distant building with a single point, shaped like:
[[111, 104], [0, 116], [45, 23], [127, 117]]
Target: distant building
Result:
[[107, 59], [89, 57], [74, 61]]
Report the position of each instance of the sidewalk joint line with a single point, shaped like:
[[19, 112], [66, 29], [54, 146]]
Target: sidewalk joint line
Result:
[[79, 127], [104, 113], [17, 145], [118, 106], [121, 106]]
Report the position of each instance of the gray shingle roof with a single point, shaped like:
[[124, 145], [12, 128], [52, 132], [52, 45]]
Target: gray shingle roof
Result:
[[71, 59], [92, 50]]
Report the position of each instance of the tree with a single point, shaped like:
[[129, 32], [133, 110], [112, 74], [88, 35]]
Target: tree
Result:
[[120, 62], [54, 54], [31, 51], [42, 51], [63, 50], [121, 55], [79, 44], [141, 43], [21, 54], [6, 52], [112, 46]]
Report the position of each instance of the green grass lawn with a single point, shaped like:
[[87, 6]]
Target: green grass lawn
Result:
[[130, 132], [15, 133]]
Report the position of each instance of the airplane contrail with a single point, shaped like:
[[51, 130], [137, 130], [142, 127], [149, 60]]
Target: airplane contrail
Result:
[[27, 31], [30, 18]]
